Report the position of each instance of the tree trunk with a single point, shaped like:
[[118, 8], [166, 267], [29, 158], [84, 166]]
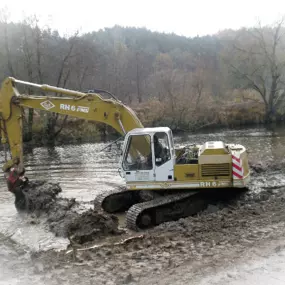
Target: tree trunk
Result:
[[50, 129], [62, 79], [269, 113], [138, 80], [8, 54], [29, 136], [270, 110]]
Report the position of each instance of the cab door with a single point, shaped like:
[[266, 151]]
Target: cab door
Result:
[[137, 160], [164, 158]]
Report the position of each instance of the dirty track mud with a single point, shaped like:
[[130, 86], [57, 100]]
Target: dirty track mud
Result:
[[172, 253], [64, 217]]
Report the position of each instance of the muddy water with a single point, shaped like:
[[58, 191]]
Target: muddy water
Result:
[[84, 171]]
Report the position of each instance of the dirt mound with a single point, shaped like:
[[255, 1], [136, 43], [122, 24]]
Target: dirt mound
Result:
[[38, 196], [89, 225], [62, 215]]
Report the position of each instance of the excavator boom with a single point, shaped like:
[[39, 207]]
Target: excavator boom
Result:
[[89, 106]]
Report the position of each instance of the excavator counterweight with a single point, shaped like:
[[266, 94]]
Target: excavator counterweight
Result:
[[162, 183]]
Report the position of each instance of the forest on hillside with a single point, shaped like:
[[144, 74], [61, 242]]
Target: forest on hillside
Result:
[[229, 79]]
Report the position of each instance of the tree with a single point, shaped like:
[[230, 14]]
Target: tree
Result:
[[64, 71], [4, 18], [259, 63], [28, 52]]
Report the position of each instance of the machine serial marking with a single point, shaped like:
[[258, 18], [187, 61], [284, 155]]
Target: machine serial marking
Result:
[[209, 184], [68, 107]]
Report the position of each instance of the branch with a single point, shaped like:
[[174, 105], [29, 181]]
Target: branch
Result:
[[82, 78], [38, 39], [65, 59], [252, 82], [4, 20], [61, 127], [98, 246], [28, 54], [246, 51]]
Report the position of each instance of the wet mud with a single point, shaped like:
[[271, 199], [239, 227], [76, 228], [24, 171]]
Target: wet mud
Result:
[[172, 253], [260, 167], [64, 217], [166, 254], [204, 240]]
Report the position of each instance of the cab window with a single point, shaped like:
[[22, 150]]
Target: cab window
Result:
[[161, 148], [138, 155]]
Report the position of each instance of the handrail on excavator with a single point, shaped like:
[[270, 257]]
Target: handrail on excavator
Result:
[[50, 88]]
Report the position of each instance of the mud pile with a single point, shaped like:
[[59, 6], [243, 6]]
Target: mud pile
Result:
[[37, 196], [63, 215]]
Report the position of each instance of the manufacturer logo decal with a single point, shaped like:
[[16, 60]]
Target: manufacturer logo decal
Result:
[[47, 105], [165, 185], [67, 107]]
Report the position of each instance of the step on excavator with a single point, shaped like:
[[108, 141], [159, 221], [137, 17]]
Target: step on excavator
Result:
[[163, 183]]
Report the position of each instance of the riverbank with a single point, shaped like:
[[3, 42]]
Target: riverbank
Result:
[[87, 132], [182, 251], [181, 118]]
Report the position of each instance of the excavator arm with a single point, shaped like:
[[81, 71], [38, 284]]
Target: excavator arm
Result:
[[89, 106]]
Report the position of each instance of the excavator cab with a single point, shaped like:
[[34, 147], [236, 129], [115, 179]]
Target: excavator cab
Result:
[[148, 155]]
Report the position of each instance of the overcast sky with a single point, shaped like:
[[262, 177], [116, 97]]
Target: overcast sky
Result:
[[189, 18]]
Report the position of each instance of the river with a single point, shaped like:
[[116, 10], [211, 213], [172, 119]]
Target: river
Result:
[[85, 170]]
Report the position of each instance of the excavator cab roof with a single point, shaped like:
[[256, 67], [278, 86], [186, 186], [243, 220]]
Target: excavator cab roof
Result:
[[149, 131]]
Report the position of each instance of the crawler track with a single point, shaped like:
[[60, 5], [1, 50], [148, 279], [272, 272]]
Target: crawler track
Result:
[[117, 200], [163, 209], [140, 215]]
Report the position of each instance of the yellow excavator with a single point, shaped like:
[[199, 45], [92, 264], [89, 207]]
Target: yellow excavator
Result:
[[162, 183]]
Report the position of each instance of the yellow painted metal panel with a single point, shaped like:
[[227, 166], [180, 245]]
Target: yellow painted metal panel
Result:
[[186, 172]]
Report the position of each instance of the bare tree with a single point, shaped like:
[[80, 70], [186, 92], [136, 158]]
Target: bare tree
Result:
[[138, 77], [38, 39], [4, 18], [198, 85], [260, 64], [27, 47], [61, 81]]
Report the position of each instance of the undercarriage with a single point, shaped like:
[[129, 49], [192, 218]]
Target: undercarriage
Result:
[[145, 209]]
